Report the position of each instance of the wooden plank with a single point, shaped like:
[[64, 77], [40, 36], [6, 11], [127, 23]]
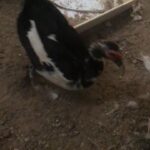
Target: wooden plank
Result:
[[103, 17]]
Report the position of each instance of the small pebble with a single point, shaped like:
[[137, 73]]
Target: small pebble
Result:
[[82, 144], [26, 139], [54, 95], [146, 60], [19, 55], [132, 104], [137, 18], [120, 77], [56, 125]]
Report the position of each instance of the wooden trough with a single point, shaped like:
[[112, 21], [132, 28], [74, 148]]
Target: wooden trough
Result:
[[86, 25], [96, 19]]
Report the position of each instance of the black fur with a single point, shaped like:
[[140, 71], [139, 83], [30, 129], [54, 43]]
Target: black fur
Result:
[[69, 54]]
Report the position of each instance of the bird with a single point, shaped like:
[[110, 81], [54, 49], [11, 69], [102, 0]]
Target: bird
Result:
[[56, 50]]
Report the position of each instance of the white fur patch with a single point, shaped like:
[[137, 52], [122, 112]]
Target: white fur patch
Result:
[[52, 37], [56, 77], [36, 44]]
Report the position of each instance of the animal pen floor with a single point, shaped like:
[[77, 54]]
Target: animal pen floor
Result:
[[112, 115]]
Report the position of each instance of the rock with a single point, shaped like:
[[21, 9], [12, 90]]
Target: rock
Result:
[[146, 60], [53, 95], [82, 144], [19, 54], [132, 104], [137, 18], [26, 139], [57, 123]]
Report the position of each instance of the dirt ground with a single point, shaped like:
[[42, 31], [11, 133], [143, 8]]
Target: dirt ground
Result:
[[112, 115]]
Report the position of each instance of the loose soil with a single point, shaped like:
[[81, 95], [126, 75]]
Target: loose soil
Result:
[[111, 115]]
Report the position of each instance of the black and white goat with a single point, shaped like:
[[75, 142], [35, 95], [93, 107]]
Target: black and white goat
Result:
[[57, 51]]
